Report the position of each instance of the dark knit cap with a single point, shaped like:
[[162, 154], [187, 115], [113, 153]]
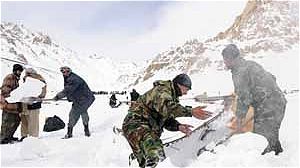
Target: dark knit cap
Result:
[[17, 67], [183, 79]]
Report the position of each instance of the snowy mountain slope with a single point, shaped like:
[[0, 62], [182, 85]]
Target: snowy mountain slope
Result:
[[46, 55], [263, 29], [201, 60]]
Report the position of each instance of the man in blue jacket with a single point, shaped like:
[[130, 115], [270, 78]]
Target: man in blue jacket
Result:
[[77, 91]]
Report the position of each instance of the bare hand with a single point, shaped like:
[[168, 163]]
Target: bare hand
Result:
[[185, 128], [239, 126], [201, 114]]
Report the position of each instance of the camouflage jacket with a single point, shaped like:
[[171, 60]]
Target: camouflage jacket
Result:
[[159, 107], [253, 85]]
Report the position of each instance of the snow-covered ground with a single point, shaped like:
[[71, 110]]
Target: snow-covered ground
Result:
[[104, 148]]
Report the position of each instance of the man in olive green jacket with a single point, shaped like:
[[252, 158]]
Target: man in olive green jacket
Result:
[[155, 110], [256, 87]]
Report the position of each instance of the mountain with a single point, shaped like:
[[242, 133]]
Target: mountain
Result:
[[263, 26], [40, 51]]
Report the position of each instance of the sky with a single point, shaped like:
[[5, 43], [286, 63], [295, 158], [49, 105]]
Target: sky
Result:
[[123, 30]]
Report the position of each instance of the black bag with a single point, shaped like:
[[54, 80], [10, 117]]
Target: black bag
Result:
[[53, 124], [34, 106]]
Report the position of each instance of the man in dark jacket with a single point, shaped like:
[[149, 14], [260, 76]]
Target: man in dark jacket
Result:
[[155, 110], [10, 111], [256, 87], [77, 91]]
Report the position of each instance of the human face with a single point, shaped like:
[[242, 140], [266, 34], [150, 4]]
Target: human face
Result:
[[18, 72], [228, 63], [64, 72], [183, 89]]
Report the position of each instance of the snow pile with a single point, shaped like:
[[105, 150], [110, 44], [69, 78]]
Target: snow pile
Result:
[[31, 88]]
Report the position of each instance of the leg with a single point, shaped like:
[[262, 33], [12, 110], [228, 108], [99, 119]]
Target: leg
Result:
[[73, 118], [5, 128], [134, 133], [34, 122], [153, 149], [85, 117], [267, 122], [14, 122], [24, 125], [85, 121]]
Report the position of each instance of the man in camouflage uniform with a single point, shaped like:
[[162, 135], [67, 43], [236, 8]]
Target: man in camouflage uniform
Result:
[[153, 111], [256, 87], [10, 111]]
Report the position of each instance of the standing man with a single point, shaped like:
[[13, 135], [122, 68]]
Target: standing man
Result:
[[30, 115], [155, 110], [134, 95], [10, 112], [256, 87], [77, 91]]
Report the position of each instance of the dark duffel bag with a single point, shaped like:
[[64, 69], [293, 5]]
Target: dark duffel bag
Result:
[[34, 106], [53, 124]]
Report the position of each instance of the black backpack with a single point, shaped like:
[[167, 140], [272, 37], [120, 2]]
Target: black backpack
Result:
[[53, 124]]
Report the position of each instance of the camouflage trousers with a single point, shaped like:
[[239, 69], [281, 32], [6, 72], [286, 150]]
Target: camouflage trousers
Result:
[[145, 144], [10, 123]]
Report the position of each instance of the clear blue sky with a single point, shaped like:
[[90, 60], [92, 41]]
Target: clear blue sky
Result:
[[123, 29]]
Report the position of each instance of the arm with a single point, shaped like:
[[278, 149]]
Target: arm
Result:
[[178, 110], [44, 89], [70, 87], [7, 86], [171, 124], [165, 105], [241, 85]]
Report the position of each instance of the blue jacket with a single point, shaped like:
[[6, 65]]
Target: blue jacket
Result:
[[77, 91]]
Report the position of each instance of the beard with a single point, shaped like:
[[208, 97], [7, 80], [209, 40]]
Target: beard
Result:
[[177, 90], [18, 75]]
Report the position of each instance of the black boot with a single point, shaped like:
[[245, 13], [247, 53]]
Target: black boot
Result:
[[86, 130], [267, 150], [69, 133], [275, 146], [14, 139], [21, 140], [151, 162], [4, 141]]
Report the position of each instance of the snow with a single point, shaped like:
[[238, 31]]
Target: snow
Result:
[[31, 88], [104, 148]]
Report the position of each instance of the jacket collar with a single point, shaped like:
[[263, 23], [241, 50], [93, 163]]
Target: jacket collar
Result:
[[169, 84], [238, 63]]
